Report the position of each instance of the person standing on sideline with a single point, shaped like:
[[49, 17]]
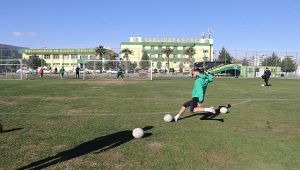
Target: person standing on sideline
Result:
[[77, 72], [120, 73], [266, 76], [200, 85], [42, 72], [62, 72]]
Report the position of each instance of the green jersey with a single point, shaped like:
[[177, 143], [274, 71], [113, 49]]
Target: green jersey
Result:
[[62, 71], [200, 85], [120, 71]]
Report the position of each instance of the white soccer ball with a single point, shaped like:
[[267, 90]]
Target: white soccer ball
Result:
[[138, 133], [168, 118], [262, 85], [223, 110]]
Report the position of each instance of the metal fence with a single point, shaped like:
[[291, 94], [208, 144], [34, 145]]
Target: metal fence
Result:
[[282, 63]]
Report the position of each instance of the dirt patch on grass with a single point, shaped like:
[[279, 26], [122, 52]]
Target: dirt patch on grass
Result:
[[7, 103], [220, 158], [155, 146]]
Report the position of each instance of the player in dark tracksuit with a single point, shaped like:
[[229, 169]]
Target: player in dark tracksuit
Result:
[[266, 76], [198, 93], [120, 73]]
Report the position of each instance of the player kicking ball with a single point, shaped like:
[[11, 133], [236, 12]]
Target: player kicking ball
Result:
[[200, 85]]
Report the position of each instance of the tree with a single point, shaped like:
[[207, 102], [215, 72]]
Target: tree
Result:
[[274, 60], [112, 55], [245, 61], [168, 51], [101, 51], [190, 52], [224, 56], [288, 64], [145, 64], [34, 62], [126, 53], [97, 65]]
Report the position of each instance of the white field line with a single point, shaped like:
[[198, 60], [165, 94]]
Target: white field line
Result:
[[246, 101]]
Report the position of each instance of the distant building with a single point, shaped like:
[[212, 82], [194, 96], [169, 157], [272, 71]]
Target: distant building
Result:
[[11, 52], [67, 58], [257, 60], [153, 47]]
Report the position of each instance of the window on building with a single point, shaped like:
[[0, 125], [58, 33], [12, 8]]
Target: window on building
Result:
[[84, 57], [160, 47], [152, 47], [47, 56], [74, 56], [93, 57], [143, 47], [151, 56], [184, 47], [159, 56], [56, 64], [175, 48], [66, 56], [175, 58], [56, 56]]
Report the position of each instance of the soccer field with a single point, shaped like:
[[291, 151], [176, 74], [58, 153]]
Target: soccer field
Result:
[[76, 124]]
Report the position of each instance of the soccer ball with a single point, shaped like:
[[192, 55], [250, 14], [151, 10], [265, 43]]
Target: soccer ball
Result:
[[168, 118], [262, 85], [223, 110], [138, 133]]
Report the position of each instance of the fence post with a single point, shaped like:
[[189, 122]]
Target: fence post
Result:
[[83, 63], [21, 69]]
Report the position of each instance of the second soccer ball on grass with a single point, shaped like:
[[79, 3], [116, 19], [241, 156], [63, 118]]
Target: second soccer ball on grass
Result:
[[168, 118]]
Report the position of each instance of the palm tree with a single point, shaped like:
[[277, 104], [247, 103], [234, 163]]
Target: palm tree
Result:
[[168, 51], [190, 52], [126, 53], [101, 51]]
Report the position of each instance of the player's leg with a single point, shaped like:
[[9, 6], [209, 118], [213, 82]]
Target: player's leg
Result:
[[197, 106], [182, 109]]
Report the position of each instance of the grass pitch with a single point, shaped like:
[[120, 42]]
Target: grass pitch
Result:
[[75, 124]]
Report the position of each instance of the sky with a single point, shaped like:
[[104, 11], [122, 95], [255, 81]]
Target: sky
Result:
[[236, 24]]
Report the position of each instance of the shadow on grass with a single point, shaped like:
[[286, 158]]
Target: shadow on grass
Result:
[[205, 116], [8, 130], [99, 144]]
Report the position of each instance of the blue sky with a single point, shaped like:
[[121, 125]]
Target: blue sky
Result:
[[236, 24]]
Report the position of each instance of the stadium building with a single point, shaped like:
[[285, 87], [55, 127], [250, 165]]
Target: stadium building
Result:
[[154, 46]]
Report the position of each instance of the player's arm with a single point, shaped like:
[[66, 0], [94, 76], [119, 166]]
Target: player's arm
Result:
[[210, 77]]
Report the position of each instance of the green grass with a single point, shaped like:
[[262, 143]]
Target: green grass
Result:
[[75, 124]]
